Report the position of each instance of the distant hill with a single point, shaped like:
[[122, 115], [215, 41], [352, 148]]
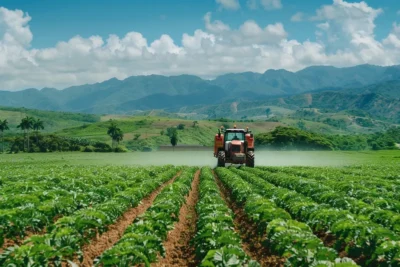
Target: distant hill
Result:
[[282, 82], [380, 101], [139, 93], [53, 121]]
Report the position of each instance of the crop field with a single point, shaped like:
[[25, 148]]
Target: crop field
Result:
[[69, 215]]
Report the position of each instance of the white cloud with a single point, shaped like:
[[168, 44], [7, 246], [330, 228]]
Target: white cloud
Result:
[[271, 4], [215, 26], [229, 4], [354, 18], [252, 4], [324, 26], [398, 12], [299, 16], [393, 39], [344, 32], [266, 4]]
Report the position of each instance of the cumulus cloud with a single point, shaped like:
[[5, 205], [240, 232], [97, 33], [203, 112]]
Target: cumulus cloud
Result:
[[344, 37], [394, 37], [252, 4], [271, 4], [266, 4], [229, 4], [299, 16]]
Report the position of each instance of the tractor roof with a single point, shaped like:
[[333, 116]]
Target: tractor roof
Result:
[[235, 130]]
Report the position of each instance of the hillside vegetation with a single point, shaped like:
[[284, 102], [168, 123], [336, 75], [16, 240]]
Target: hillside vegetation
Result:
[[288, 138], [53, 121], [366, 86], [304, 129], [152, 131]]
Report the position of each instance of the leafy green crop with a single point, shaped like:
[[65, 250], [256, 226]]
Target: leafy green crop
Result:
[[216, 242], [142, 241], [66, 236], [288, 238], [356, 234]]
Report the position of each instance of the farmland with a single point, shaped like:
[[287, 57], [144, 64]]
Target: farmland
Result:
[[180, 215]]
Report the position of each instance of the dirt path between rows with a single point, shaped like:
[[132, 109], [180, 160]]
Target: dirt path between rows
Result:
[[179, 252], [115, 231], [251, 241], [19, 241]]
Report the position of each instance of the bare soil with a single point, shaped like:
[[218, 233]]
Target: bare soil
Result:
[[115, 231], [329, 240], [251, 241], [19, 241], [179, 251]]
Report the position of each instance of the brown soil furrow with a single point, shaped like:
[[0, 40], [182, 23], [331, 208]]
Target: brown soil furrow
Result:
[[179, 252], [19, 241], [329, 240], [115, 231], [251, 241]]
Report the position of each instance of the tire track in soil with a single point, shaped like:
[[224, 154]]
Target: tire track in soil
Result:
[[247, 230], [115, 231], [179, 252]]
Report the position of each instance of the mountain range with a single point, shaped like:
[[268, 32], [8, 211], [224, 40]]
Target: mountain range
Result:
[[365, 87]]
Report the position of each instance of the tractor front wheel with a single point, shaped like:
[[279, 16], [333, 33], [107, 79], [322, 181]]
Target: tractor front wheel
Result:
[[221, 159], [250, 159]]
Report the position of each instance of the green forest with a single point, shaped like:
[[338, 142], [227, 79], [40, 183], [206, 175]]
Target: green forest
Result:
[[290, 138]]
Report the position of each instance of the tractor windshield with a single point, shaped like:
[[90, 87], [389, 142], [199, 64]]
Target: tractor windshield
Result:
[[234, 136]]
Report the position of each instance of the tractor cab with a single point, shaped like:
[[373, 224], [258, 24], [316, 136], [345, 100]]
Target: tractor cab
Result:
[[234, 146], [234, 143]]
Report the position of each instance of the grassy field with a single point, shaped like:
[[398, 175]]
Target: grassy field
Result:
[[205, 158], [53, 120], [150, 129]]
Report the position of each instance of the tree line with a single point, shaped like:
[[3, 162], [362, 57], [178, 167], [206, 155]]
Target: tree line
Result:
[[26, 125], [52, 142], [290, 138]]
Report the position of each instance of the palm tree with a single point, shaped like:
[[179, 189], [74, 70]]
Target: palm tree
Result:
[[25, 125], [174, 140], [119, 136], [3, 127], [115, 133], [37, 125]]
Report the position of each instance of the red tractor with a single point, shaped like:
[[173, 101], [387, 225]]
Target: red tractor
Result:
[[234, 146]]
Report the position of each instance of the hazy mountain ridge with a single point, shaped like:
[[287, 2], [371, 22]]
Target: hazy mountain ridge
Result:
[[278, 87], [371, 102]]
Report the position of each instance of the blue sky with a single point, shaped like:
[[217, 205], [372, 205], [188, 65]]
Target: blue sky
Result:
[[55, 20], [60, 43]]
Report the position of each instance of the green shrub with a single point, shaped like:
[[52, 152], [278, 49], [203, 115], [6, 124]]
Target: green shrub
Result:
[[120, 149], [88, 149]]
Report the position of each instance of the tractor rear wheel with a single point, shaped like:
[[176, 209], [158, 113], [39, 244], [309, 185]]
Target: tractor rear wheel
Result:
[[221, 159], [250, 159]]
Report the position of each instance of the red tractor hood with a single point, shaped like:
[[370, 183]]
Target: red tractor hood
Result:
[[236, 142]]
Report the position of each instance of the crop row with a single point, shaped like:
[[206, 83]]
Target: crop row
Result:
[[36, 207], [287, 238], [325, 194], [216, 242], [367, 188], [142, 241], [359, 237], [377, 192], [68, 234]]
